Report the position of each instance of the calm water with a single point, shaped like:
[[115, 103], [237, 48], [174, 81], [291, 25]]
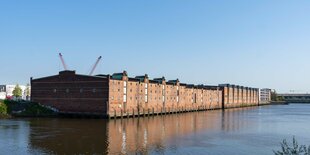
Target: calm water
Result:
[[256, 130]]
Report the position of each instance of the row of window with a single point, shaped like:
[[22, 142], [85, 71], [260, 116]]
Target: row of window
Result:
[[167, 92], [94, 90], [141, 84], [167, 98]]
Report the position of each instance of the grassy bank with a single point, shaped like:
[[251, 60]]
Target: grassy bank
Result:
[[24, 109]]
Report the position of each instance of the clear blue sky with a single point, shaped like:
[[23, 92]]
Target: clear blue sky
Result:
[[263, 43]]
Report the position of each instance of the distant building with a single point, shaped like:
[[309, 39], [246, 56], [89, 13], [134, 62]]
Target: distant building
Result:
[[7, 91], [265, 95], [295, 98]]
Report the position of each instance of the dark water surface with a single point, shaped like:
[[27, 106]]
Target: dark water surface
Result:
[[255, 130]]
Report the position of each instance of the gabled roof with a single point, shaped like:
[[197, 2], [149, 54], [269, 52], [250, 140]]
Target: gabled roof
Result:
[[142, 78], [160, 79], [174, 81]]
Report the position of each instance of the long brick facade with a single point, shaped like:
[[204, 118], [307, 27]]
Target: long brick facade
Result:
[[119, 95]]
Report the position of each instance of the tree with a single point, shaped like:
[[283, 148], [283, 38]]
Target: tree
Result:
[[17, 92], [27, 91], [274, 96]]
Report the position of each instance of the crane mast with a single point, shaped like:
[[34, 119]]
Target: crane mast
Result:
[[95, 65], [63, 61]]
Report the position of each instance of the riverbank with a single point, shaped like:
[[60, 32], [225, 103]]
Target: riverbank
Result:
[[276, 103], [10, 109], [248, 131]]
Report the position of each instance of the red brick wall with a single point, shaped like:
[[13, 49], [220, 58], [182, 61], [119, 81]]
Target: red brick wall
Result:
[[71, 93]]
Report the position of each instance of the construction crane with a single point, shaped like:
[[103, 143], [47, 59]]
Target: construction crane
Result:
[[63, 61], [95, 65]]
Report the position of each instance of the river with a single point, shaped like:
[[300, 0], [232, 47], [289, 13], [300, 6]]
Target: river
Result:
[[254, 130]]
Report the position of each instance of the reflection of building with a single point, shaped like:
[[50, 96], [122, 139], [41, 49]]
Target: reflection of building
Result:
[[144, 135], [7, 91], [120, 95], [69, 136], [265, 95]]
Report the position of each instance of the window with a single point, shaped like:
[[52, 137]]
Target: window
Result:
[[125, 92], [145, 92], [124, 98]]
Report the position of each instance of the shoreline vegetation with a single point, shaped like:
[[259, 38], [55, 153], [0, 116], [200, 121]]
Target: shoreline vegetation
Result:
[[11, 109], [292, 148]]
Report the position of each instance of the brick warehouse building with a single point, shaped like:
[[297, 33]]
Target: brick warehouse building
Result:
[[120, 95]]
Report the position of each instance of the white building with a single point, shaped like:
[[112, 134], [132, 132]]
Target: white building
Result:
[[7, 91], [265, 95]]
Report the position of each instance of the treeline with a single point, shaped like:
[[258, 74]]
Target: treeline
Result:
[[275, 97]]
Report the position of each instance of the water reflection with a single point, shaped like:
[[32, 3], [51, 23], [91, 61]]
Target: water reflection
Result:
[[69, 136], [150, 135], [14, 135], [128, 136]]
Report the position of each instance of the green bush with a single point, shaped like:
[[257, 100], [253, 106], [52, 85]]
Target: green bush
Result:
[[24, 108], [36, 110], [9, 104], [3, 108], [295, 149]]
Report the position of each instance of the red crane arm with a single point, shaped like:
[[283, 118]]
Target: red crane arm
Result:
[[63, 61], [95, 65]]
